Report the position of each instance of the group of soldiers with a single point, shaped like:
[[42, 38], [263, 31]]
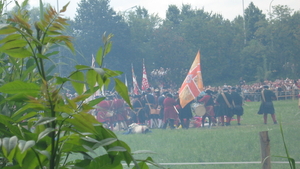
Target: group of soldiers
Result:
[[116, 114], [157, 110]]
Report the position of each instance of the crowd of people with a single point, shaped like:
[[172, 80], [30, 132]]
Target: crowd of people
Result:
[[160, 108]]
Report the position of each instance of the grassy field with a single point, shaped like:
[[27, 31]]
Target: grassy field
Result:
[[224, 144]]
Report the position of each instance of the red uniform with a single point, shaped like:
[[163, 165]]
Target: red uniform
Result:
[[119, 109], [169, 110], [102, 109]]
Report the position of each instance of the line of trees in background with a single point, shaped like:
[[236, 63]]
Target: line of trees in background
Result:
[[266, 47]]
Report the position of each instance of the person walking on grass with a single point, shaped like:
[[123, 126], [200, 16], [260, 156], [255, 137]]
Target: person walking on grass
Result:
[[225, 101], [237, 102], [170, 114], [185, 113], [266, 106], [209, 107]]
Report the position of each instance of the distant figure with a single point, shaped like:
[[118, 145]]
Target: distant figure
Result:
[[225, 101], [242, 82], [170, 114], [266, 106], [185, 114], [139, 114], [209, 107], [237, 102]]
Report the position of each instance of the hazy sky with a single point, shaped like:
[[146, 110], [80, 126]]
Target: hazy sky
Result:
[[228, 8]]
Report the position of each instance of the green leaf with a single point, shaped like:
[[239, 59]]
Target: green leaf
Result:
[[89, 149], [108, 48], [18, 53], [45, 133], [82, 67], [144, 152], [6, 29], [20, 97], [5, 142], [121, 88], [41, 56], [116, 148], [84, 122], [103, 162], [78, 82], [8, 122], [26, 116], [8, 147], [19, 155], [10, 38], [111, 73], [81, 97], [142, 165], [61, 80], [30, 160], [94, 102], [45, 153], [100, 71], [25, 145], [91, 78], [45, 120], [20, 87], [52, 53], [19, 43], [99, 56], [35, 106], [101, 143]]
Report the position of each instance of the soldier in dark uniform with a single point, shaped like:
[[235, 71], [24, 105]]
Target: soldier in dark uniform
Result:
[[160, 100], [149, 100], [185, 113], [225, 102], [266, 106], [138, 108], [237, 102]]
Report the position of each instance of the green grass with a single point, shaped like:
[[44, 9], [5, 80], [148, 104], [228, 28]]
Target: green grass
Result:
[[224, 144]]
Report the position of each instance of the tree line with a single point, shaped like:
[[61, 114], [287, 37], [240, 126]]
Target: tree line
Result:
[[255, 46]]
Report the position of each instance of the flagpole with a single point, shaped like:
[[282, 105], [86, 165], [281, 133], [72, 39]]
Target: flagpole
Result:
[[136, 89]]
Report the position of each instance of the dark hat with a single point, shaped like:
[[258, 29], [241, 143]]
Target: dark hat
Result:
[[225, 89], [169, 95], [266, 86], [136, 96], [148, 89], [233, 88]]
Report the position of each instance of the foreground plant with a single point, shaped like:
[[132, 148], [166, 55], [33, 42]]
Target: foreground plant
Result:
[[291, 160], [40, 127]]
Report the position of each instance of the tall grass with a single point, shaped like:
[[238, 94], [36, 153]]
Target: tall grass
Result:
[[224, 144]]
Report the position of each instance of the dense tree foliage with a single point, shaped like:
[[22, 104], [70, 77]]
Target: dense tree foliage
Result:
[[93, 18], [270, 49]]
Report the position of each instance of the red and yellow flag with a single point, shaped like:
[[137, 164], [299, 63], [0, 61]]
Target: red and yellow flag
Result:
[[193, 84]]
